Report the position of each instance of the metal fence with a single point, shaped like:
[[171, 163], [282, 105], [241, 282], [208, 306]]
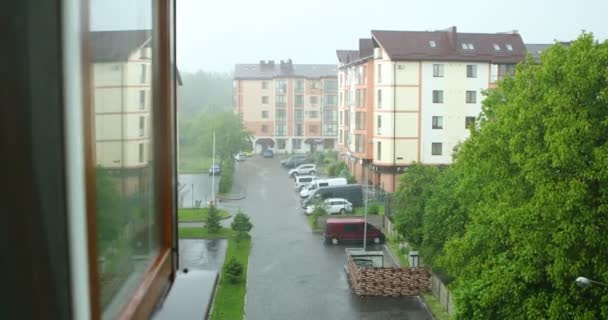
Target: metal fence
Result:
[[441, 292]]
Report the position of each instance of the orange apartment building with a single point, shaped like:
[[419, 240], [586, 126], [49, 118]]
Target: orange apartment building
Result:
[[288, 108]]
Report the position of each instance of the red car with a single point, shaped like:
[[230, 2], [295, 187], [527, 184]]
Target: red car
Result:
[[351, 229]]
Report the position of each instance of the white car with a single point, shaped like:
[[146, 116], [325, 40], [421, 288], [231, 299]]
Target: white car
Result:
[[303, 181], [333, 206], [305, 169], [239, 157]]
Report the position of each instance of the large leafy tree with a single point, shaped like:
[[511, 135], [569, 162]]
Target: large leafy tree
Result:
[[231, 136], [533, 180], [414, 190]]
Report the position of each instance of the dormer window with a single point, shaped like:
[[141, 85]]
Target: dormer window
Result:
[[432, 44], [467, 46], [496, 47], [509, 47]]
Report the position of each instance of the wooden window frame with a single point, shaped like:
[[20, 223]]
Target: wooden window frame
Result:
[[161, 272]]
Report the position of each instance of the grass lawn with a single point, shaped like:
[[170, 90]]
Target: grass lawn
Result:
[[436, 308], [229, 302], [394, 248], [202, 233], [197, 214], [360, 211]]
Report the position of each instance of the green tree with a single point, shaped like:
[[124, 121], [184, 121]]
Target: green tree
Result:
[[213, 220], [111, 218], [414, 190], [233, 270], [537, 170], [241, 225]]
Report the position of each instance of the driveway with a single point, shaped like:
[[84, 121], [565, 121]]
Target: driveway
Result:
[[292, 274]]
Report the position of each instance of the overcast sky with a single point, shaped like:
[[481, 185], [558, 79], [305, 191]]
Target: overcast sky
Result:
[[215, 35]]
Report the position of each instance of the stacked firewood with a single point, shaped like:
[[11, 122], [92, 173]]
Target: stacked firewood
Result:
[[388, 281]]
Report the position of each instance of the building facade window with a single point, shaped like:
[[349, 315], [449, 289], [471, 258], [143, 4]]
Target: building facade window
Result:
[[281, 129], [281, 144], [359, 143], [330, 85], [437, 122], [471, 71], [436, 148], [298, 130], [280, 101], [313, 128], [379, 73], [330, 115], [264, 84], [281, 115], [144, 74], [359, 120], [299, 101], [379, 95], [142, 126], [438, 70], [313, 114], [296, 144], [379, 150], [468, 122], [281, 86], [141, 153], [142, 99], [314, 100], [314, 84], [330, 100], [437, 96], [471, 96], [264, 99], [299, 86], [298, 115], [264, 114], [505, 70], [340, 137], [264, 128], [379, 125]]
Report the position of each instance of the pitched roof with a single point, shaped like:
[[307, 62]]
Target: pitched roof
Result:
[[108, 46], [451, 45], [270, 71], [366, 48], [535, 49], [347, 56]]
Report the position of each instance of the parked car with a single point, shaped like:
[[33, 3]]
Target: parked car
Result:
[[214, 170], [305, 192], [333, 206], [350, 230], [296, 160], [303, 181], [351, 192], [239, 157], [305, 169], [267, 153]]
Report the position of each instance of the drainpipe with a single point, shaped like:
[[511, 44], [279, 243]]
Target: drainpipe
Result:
[[394, 122]]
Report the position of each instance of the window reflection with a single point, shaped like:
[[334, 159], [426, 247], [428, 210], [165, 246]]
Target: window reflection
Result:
[[128, 225]]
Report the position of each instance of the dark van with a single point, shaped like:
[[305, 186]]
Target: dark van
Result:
[[351, 229], [351, 192]]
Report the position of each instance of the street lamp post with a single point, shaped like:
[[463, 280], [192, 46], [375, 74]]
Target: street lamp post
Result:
[[585, 282]]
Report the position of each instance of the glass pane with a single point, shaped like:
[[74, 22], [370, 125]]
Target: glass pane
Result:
[[122, 77]]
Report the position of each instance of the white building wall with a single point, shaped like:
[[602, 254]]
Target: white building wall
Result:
[[454, 108]]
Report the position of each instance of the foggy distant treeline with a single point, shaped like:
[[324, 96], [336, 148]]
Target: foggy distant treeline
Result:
[[204, 92]]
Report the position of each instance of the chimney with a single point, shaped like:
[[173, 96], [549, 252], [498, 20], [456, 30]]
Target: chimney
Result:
[[452, 36]]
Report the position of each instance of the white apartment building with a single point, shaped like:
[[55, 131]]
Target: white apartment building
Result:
[[122, 100], [427, 91]]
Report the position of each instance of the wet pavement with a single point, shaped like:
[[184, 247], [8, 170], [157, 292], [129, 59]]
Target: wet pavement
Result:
[[292, 274], [202, 254]]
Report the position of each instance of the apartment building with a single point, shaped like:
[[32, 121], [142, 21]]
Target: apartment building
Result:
[[121, 75], [355, 108], [288, 107], [427, 91]]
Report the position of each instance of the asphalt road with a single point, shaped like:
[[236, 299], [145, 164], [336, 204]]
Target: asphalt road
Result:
[[292, 274]]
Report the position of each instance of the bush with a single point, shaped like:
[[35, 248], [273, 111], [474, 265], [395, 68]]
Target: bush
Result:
[[373, 209], [213, 220], [320, 210], [336, 169], [241, 225], [233, 270], [227, 176]]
